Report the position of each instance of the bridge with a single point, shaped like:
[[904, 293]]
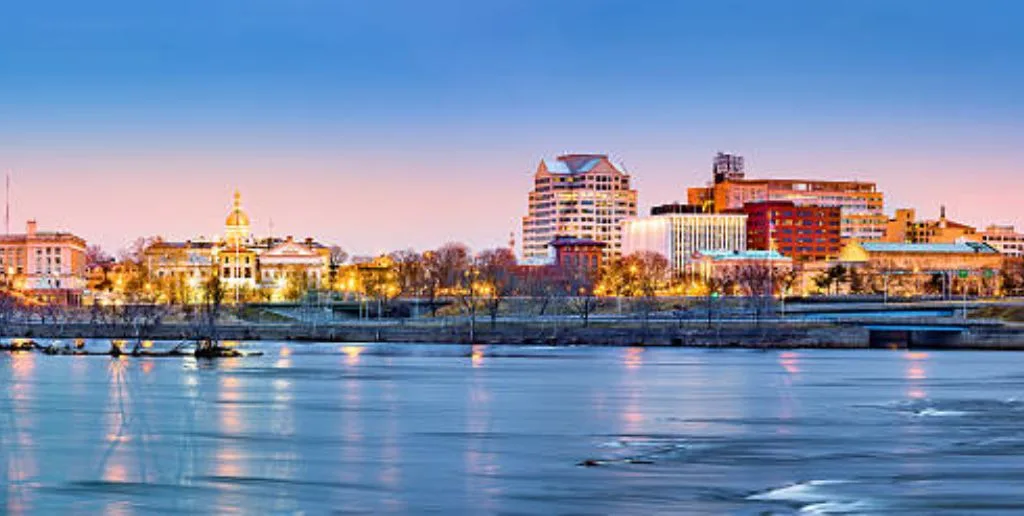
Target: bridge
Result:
[[920, 335]]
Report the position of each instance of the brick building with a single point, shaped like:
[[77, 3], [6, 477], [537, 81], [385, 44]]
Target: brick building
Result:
[[803, 233]]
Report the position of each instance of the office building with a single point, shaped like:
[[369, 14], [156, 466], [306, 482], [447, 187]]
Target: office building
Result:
[[678, 236], [803, 233], [584, 196]]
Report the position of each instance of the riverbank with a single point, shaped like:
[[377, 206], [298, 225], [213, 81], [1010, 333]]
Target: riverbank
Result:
[[930, 333]]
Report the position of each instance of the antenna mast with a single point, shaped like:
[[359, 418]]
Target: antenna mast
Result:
[[7, 205]]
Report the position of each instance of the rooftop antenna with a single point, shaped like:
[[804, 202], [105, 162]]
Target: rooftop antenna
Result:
[[7, 205]]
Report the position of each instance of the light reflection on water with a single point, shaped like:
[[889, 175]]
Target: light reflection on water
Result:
[[379, 428]]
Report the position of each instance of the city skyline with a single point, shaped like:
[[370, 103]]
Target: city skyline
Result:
[[123, 121]]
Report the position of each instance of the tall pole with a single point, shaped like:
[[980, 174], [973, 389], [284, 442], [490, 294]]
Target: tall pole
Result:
[[965, 297], [7, 206]]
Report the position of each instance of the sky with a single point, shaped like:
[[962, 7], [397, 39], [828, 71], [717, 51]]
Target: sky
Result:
[[385, 124]]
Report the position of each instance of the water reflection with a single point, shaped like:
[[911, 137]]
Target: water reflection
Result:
[[915, 375], [22, 468], [352, 354], [476, 356], [790, 361], [634, 357], [482, 488]]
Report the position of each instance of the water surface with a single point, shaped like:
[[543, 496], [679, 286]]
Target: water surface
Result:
[[489, 429]]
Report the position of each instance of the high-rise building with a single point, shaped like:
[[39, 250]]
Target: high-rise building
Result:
[[803, 233], [727, 167], [577, 195], [677, 236]]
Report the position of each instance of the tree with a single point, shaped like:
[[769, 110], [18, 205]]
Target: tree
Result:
[[715, 286], [582, 296], [1012, 276], [857, 281], [541, 286], [95, 256], [336, 258], [444, 269], [9, 306], [378, 282], [645, 273], [409, 271], [206, 320], [757, 281], [833, 276], [497, 278]]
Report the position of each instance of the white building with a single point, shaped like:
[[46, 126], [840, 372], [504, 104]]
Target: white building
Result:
[[1004, 239], [678, 236], [581, 196]]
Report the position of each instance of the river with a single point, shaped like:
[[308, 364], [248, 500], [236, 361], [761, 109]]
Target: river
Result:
[[487, 429]]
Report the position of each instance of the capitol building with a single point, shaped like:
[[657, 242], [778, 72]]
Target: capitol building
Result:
[[249, 268]]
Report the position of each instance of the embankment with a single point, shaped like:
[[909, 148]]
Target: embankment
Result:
[[767, 334]]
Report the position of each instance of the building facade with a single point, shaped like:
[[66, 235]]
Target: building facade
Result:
[[803, 233], [905, 228], [45, 265], [1004, 239], [244, 264], [578, 257], [921, 258], [581, 196], [678, 236], [862, 205], [718, 264]]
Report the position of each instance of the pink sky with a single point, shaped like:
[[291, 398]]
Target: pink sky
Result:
[[370, 202]]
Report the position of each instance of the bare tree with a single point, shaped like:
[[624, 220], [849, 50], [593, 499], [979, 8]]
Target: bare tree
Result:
[[206, 320], [336, 258], [410, 272], [497, 276], [541, 287], [143, 319], [756, 280], [582, 296], [9, 306], [95, 256], [444, 271]]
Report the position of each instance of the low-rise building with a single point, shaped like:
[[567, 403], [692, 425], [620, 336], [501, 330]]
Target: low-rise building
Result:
[[905, 228], [1004, 239], [718, 264], [578, 257], [677, 236], [921, 258], [46, 265], [265, 268]]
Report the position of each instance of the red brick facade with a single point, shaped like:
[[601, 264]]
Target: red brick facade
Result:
[[803, 233]]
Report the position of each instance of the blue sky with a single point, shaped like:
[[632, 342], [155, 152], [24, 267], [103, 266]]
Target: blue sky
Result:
[[324, 111]]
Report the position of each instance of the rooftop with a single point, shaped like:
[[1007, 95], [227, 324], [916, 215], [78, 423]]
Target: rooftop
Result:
[[957, 248], [752, 254], [579, 163], [561, 241]]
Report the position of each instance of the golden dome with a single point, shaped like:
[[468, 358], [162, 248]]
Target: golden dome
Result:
[[237, 217]]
